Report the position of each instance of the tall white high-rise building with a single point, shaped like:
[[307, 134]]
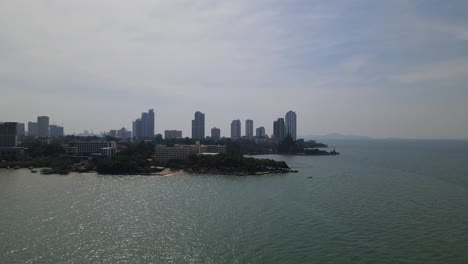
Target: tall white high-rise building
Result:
[[198, 125], [43, 126], [249, 128], [20, 130], [143, 128], [291, 124], [55, 131], [32, 129], [236, 128], [8, 138], [260, 132], [215, 133]]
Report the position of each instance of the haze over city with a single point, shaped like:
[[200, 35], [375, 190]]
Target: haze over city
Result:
[[376, 68]]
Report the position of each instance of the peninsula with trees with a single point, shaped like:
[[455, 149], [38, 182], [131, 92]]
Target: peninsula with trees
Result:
[[138, 157]]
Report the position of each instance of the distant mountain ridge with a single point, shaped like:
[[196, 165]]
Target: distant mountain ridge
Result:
[[337, 136]]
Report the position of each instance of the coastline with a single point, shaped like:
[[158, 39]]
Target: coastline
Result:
[[168, 172]]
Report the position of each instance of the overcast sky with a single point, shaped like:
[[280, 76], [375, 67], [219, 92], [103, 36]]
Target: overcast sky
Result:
[[378, 68]]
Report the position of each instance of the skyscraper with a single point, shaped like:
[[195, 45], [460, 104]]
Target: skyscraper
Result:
[[291, 124], [32, 129], [150, 124], [123, 133], [275, 129], [144, 122], [43, 127], [55, 131], [20, 129], [143, 128], [198, 126], [215, 133], [279, 129], [249, 128], [8, 136], [137, 129], [260, 132], [236, 129]]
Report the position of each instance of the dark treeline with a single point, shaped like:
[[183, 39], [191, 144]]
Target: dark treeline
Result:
[[136, 157], [227, 163]]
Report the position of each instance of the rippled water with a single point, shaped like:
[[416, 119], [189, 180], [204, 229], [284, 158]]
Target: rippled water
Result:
[[378, 202]]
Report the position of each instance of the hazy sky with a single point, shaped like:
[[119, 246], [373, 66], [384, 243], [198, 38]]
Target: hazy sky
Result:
[[379, 68]]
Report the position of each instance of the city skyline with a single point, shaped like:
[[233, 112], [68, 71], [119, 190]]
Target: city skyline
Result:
[[380, 69], [141, 124]]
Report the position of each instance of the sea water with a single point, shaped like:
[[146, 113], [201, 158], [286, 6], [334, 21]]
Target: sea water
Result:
[[380, 201]]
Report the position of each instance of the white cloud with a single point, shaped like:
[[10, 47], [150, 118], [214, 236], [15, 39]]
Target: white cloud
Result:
[[440, 71], [354, 63]]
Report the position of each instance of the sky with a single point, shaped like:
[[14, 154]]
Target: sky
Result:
[[378, 68]]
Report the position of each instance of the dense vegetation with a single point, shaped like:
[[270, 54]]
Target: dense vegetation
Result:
[[41, 155], [122, 164], [228, 164], [136, 157], [132, 160]]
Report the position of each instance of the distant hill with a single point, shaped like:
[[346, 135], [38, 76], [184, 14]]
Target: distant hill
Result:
[[336, 136]]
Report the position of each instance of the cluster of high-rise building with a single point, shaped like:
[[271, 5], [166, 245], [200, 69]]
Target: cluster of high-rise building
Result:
[[122, 133], [283, 127], [143, 127], [41, 129]]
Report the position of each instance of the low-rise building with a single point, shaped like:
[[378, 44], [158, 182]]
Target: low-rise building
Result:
[[87, 148], [164, 153], [172, 134]]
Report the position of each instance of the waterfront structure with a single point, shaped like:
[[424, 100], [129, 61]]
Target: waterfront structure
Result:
[[249, 128], [32, 129], [172, 134], [97, 148], [291, 124], [43, 127], [143, 128], [279, 129], [163, 153], [198, 125], [55, 131], [215, 133], [8, 137], [260, 132], [235, 129]]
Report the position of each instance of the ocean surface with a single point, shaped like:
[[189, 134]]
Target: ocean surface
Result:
[[380, 201]]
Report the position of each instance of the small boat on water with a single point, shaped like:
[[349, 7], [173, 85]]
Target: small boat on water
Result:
[[30, 167], [34, 171], [17, 167]]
